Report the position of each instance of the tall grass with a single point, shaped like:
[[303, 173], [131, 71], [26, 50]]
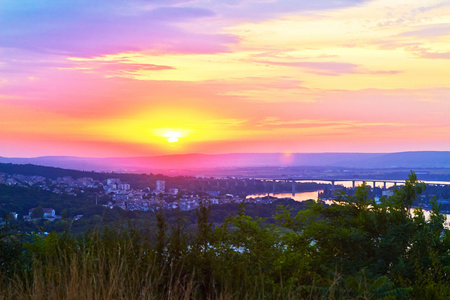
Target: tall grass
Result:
[[119, 266], [97, 267], [127, 265]]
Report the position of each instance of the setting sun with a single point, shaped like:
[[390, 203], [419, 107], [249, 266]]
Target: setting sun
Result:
[[172, 139], [171, 135]]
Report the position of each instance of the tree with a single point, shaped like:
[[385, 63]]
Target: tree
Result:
[[64, 213], [37, 213]]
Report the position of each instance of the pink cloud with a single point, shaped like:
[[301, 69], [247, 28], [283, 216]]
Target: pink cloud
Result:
[[434, 55], [330, 68], [119, 68]]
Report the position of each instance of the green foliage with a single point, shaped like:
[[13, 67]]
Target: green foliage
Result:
[[37, 213], [10, 248], [352, 249]]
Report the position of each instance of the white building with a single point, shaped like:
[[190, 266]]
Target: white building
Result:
[[160, 186], [173, 191], [124, 187], [48, 212]]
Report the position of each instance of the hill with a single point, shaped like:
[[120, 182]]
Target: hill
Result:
[[417, 159]]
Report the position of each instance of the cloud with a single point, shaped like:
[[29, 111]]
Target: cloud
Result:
[[424, 52], [428, 31], [92, 28], [118, 68], [179, 14], [434, 55], [330, 68], [263, 90], [326, 68], [433, 7], [421, 106], [277, 123], [259, 10]]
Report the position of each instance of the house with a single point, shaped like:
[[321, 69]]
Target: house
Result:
[[48, 212]]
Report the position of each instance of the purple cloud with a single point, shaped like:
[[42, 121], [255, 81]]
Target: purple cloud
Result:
[[256, 10], [432, 7], [88, 28], [178, 14], [429, 31], [91, 28]]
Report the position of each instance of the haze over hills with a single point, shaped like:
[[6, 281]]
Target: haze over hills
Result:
[[419, 159]]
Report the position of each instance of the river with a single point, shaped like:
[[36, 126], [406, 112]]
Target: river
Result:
[[297, 196], [303, 196]]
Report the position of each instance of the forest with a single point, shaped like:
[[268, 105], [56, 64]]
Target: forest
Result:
[[354, 248]]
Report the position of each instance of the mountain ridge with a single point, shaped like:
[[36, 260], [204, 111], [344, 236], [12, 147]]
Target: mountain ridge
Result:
[[408, 159]]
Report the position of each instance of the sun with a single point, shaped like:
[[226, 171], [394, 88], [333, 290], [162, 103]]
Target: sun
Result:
[[171, 135], [172, 139]]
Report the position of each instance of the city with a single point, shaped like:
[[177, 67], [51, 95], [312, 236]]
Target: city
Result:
[[113, 192]]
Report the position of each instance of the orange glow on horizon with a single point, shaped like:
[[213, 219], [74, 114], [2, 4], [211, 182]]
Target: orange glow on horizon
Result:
[[333, 76]]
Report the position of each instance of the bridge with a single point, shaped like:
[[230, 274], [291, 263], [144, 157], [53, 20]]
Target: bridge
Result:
[[333, 181]]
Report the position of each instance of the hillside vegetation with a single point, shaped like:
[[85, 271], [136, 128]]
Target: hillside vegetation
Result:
[[353, 249]]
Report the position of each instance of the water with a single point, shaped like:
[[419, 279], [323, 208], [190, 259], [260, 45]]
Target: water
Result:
[[303, 196], [349, 183]]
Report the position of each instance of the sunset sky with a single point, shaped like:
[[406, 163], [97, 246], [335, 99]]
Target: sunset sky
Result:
[[122, 78]]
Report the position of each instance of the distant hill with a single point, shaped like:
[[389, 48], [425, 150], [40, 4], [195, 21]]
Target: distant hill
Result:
[[48, 172], [418, 159], [136, 180]]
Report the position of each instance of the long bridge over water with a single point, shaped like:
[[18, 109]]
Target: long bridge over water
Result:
[[333, 181], [267, 181]]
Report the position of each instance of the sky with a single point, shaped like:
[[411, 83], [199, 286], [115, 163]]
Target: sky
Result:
[[156, 77]]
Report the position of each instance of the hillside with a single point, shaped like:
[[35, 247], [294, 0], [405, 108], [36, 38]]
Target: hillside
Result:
[[418, 159]]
